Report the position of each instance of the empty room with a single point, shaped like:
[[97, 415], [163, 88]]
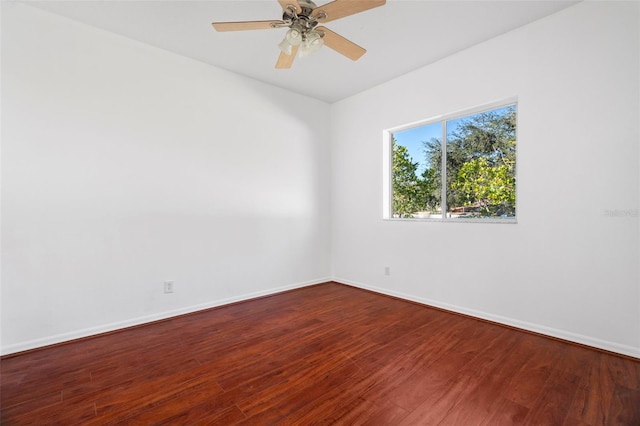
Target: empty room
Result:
[[344, 212]]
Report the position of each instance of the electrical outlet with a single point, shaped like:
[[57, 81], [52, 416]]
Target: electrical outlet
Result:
[[168, 286], [387, 270]]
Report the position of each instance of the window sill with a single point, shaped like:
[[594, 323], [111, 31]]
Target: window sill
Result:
[[451, 220]]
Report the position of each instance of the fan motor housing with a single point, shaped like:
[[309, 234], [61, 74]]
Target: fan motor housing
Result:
[[303, 20], [307, 4], [307, 7]]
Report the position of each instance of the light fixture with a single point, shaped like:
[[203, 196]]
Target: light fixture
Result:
[[302, 30], [311, 43], [292, 38], [285, 46], [294, 35]]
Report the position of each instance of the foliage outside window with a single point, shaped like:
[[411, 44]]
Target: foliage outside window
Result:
[[474, 179]]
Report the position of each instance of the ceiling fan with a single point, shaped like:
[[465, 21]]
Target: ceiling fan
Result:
[[305, 35]]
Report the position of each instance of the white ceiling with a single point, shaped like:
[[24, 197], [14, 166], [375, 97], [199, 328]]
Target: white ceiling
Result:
[[400, 36]]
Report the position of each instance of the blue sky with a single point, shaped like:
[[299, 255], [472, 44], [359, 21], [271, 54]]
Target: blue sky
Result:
[[413, 139]]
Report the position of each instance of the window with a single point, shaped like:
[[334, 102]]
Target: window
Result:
[[463, 166]]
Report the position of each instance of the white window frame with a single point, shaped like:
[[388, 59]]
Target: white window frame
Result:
[[387, 158]]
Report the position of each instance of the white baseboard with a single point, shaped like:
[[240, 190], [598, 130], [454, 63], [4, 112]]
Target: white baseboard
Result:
[[560, 334], [536, 328], [88, 332]]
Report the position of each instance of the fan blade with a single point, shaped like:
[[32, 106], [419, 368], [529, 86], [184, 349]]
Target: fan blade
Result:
[[294, 3], [340, 8], [341, 45], [247, 25], [284, 60]]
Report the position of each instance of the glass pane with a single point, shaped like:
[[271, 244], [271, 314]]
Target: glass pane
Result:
[[417, 172], [481, 165]]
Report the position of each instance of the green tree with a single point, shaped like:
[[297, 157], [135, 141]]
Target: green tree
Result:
[[406, 189], [433, 161], [481, 150], [430, 190], [491, 188], [490, 135]]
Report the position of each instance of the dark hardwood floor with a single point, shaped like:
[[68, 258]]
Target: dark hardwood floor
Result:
[[326, 354]]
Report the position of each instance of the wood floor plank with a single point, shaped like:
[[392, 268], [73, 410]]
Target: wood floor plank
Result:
[[31, 406], [532, 375], [32, 385], [625, 406], [325, 354], [60, 413], [458, 401], [367, 413], [269, 407], [122, 400], [554, 400], [197, 401], [593, 397], [424, 336], [507, 413], [626, 374], [410, 379], [486, 372], [356, 411]]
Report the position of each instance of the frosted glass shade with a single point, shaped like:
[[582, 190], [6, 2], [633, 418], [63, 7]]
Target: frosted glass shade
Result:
[[312, 43], [285, 46]]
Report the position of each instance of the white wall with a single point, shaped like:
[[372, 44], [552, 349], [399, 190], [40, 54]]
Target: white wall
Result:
[[124, 166], [569, 268]]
